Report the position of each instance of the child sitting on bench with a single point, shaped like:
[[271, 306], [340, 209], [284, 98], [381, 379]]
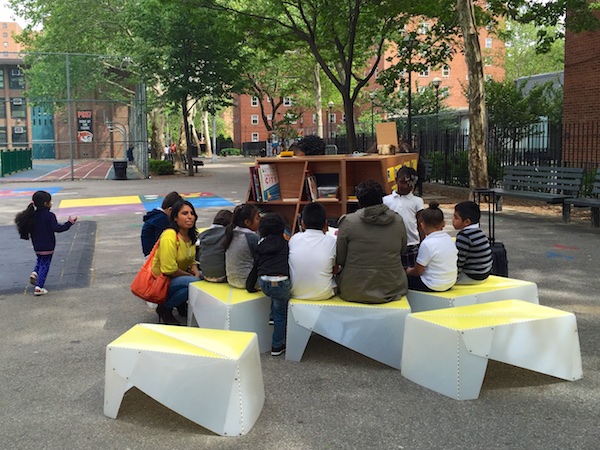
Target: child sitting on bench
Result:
[[474, 252], [435, 269]]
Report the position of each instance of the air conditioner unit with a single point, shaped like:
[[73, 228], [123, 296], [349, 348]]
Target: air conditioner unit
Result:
[[16, 72], [19, 130], [17, 101]]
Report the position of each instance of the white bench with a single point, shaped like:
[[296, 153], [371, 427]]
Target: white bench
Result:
[[373, 330], [220, 306], [447, 350], [211, 377], [491, 290]]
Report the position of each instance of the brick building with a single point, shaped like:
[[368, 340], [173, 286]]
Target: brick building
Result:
[[248, 125], [581, 110]]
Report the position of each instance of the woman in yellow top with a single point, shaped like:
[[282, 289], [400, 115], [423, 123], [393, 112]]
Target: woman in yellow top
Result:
[[175, 258]]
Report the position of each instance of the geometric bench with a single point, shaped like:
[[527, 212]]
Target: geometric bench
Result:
[[447, 350], [491, 290], [220, 306], [211, 377], [373, 330]]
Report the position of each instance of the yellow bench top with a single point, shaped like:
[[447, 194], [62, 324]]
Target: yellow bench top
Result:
[[504, 312], [226, 293], [222, 344], [493, 283], [338, 301]]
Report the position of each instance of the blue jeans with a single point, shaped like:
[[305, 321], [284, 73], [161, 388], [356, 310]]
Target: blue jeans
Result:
[[280, 296], [178, 290]]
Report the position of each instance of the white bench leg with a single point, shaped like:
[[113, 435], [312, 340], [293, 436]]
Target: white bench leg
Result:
[[297, 338], [437, 358], [115, 387]]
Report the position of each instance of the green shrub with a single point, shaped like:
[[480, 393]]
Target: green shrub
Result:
[[160, 167], [230, 152], [587, 183]]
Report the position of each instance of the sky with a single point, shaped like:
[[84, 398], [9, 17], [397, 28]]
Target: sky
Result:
[[6, 14]]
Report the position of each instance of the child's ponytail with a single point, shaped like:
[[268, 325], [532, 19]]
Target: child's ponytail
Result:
[[25, 219], [241, 213]]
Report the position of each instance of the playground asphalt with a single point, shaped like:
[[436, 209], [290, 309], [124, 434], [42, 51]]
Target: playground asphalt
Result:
[[53, 347]]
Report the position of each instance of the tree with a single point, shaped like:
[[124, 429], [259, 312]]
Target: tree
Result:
[[193, 52], [347, 39]]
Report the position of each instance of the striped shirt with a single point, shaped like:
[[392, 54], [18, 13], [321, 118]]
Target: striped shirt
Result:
[[474, 253]]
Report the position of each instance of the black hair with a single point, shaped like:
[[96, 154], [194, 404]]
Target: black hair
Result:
[[223, 217], [314, 216], [241, 213], [312, 145], [432, 216], [468, 210], [192, 233], [170, 199], [26, 218], [271, 224], [411, 175], [369, 193]]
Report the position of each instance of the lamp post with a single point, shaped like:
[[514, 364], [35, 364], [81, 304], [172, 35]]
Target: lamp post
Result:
[[409, 43], [329, 127], [436, 82], [372, 97]]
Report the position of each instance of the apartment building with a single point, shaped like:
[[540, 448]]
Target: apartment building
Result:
[[249, 127], [15, 129]]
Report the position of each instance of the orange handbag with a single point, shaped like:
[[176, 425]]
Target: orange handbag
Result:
[[147, 286]]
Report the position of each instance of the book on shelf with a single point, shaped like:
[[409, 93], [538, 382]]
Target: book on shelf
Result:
[[254, 184], [269, 182], [311, 188]]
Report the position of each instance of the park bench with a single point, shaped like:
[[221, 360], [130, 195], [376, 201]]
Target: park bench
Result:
[[587, 202], [551, 184], [197, 162], [447, 350]]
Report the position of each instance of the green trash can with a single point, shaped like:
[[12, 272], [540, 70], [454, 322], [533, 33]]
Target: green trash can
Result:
[[120, 167]]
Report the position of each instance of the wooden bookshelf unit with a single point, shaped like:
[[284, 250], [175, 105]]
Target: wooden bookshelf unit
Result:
[[347, 170]]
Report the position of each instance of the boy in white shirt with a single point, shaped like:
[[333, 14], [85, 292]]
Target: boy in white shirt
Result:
[[435, 269], [312, 257], [407, 205]]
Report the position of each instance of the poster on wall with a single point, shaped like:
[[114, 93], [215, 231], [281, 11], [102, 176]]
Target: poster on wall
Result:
[[84, 126]]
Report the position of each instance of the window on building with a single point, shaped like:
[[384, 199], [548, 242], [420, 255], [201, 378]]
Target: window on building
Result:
[[16, 79], [2, 108], [254, 119], [4, 25], [314, 118], [5, 44], [3, 137], [488, 42], [445, 92], [421, 89], [18, 108], [332, 118], [424, 27], [4, 35], [1, 78], [269, 117], [487, 60], [425, 73], [254, 137], [446, 71], [19, 136], [287, 101], [343, 119], [254, 101]]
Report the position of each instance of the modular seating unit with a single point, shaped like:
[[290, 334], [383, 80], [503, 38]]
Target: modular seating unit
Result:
[[211, 377], [375, 331], [218, 305], [447, 350], [492, 290]]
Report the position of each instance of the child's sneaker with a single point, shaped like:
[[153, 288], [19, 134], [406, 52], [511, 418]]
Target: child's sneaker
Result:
[[277, 351], [33, 278], [40, 291]]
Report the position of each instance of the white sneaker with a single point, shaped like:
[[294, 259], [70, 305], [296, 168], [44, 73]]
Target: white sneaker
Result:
[[33, 278], [40, 291]]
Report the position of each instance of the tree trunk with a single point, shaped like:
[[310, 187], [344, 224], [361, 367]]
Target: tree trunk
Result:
[[207, 134], [478, 174], [350, 125], [318, 98]]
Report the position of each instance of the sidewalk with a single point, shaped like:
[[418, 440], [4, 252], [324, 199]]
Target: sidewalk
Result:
[[53, 350]]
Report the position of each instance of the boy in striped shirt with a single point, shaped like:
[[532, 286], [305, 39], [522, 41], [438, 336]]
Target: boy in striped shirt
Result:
[[474, 252]]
